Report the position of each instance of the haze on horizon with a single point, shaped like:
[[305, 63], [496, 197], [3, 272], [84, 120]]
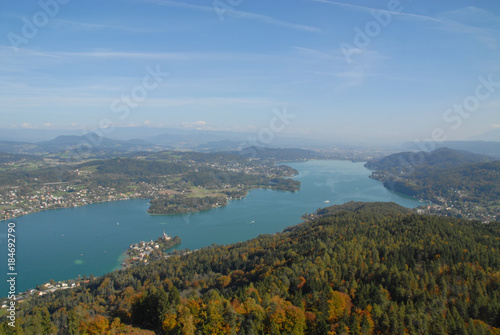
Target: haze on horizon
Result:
[[363, 71]]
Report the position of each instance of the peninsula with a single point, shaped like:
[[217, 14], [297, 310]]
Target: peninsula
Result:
[[177, 182], [145, 252]]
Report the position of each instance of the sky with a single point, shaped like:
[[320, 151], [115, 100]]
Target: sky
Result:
[[360, 71]]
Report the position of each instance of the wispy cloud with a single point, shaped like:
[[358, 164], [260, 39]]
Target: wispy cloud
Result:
[[353, 75], [349, 79], [346, 5], [317, 54], [238, 14], [450, 21], [198, 125], [90, 100], [371, 9], [6, 54], [153, 55], [472, 14], [474, 21], [341, 77], [58, 23]]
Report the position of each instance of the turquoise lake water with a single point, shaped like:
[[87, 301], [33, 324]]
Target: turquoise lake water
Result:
[[62, 244]]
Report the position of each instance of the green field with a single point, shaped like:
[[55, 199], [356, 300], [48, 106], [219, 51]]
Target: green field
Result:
[[197, 192]]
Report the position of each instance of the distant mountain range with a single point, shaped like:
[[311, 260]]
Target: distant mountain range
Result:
[[34, 141], [91, 142], [101, 147], [126, 139]]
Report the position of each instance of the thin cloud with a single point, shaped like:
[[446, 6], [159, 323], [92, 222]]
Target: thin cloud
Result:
[[98, 26], [6, 51], [346, 5], [89, 100], [467, 20], [313, 53], [110, 54], [371, 9], [350, 79], [446, 21], [357, 75], [237, 13], [473, 15], [198, 125], [212, 101]]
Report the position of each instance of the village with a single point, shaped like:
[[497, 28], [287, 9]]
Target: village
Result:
[[136, 254], [17, 201], [49, 287], [14, 203], [145, 252]]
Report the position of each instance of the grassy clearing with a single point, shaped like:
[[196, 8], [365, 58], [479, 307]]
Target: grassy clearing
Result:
[[197, 192]]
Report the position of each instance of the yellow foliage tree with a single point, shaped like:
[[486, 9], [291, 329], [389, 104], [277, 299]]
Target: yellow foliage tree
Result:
[[186, 320], [339, 305], [169, 323], [285, 318], [96, 325]]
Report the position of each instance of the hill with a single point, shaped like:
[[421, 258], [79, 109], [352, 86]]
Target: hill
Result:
[[386, 208], [93, 141], [374, 270], [440, 158], [462, 184], [90, 145], [19, 148], [483, 147], [6, 158]]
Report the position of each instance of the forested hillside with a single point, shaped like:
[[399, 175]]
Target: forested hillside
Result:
[[407, 162], [462, 184], [362, 269]]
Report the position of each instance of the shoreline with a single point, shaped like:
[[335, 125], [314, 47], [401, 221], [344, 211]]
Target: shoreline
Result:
[[148, 198], [143, 252], [75, 206], [126, 261], [116, 266]]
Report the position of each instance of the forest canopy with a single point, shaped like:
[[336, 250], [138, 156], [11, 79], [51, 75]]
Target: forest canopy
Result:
[[362, 269]]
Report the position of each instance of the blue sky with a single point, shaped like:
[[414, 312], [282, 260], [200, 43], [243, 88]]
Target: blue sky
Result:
[[350, 71]]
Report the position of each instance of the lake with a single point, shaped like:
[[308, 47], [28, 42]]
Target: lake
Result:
[[64, 243]]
